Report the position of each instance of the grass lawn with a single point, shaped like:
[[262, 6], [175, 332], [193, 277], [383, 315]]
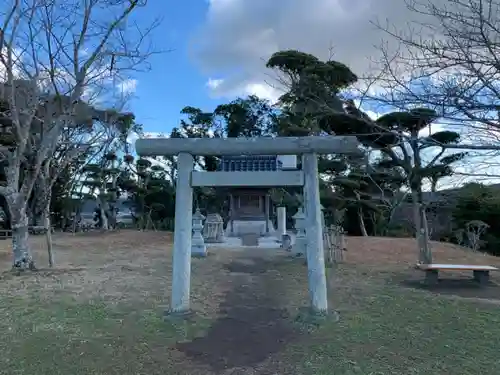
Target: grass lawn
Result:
[[100, 312]]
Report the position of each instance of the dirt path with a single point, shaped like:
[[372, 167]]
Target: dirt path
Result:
[[252, 326]]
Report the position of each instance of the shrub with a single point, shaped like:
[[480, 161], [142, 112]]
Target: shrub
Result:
[[477, 202]]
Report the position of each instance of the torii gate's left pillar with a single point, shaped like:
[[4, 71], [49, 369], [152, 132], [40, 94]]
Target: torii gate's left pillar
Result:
[[181, 277]]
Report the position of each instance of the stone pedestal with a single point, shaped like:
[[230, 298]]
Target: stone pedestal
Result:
[[250, 240], [198, 247]]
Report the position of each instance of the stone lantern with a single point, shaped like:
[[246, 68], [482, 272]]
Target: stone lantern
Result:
[[198, 247], [299, 247], [213, 230]]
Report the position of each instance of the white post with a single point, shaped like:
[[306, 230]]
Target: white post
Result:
[[281, 216], [181, 274], [267, 203], [231, 215], [314, 234]]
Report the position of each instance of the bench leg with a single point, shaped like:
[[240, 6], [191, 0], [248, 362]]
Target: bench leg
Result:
[[431, 277], [482, 277]]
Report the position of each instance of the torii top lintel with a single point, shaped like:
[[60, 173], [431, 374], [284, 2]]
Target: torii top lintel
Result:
[[248, 146]]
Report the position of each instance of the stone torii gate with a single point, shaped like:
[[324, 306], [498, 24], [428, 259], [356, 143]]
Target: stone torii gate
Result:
[[185, 148]]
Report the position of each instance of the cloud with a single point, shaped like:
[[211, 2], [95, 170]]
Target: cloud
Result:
[[214, 83], [238, 36], [103, 86], [219, 88], [127, 86], [16, 63]]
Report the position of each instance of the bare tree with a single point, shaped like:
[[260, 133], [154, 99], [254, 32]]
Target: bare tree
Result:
[[55, 58], [76, 142], [449, 61], [474, 231]]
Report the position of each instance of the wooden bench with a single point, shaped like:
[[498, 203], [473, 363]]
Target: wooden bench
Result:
[[481, 273]]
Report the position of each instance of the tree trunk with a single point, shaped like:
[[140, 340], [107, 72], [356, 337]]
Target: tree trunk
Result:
[[421, 229], [426, 248], [20, 246], [104, 220], [103, 208], [392, 211], [362, 225], [111, 211], [48, 231], [44, 191], [422, 233], [434, 185]]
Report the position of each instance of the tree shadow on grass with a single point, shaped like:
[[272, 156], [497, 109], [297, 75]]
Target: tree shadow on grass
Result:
[[452, 286]]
